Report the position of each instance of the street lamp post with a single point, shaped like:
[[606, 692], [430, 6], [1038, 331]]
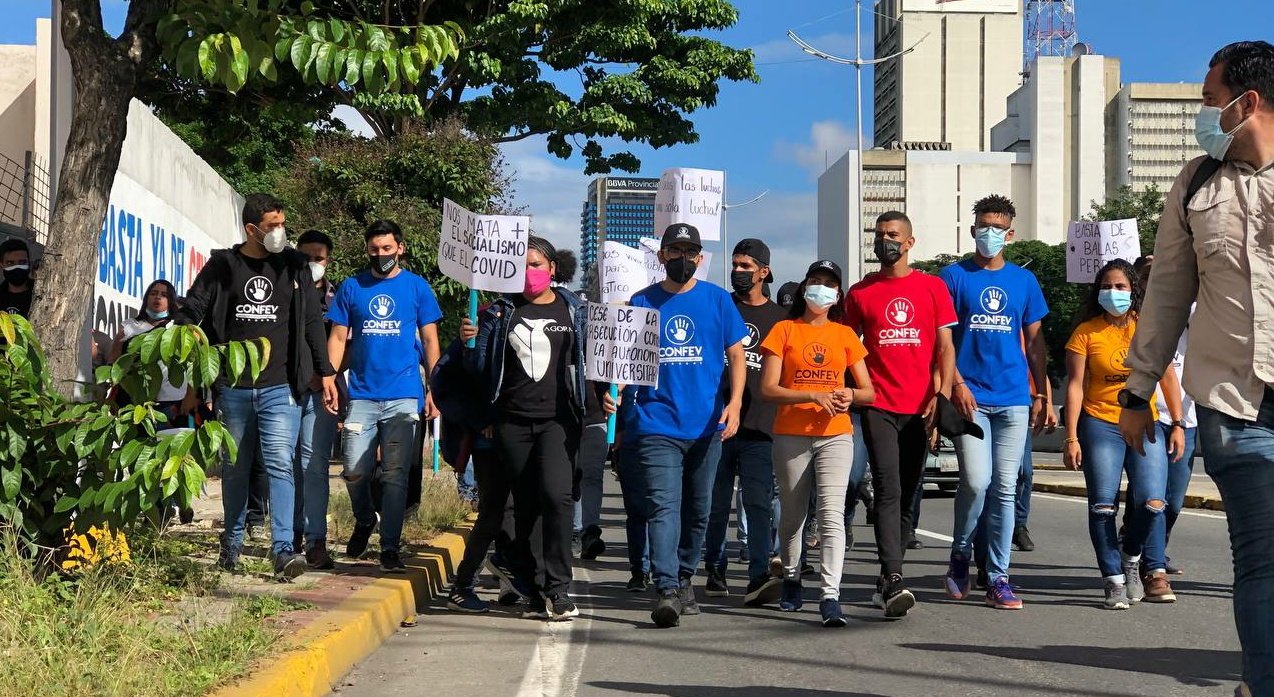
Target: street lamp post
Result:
[[859, 63], [725, 236]]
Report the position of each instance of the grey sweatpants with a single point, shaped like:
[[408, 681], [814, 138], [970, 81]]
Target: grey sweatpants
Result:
[[801, 462]]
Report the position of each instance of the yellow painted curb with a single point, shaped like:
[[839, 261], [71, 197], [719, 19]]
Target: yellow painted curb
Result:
[[1210, 503], [331, 645]]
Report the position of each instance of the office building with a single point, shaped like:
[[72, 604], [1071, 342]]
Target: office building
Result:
[[1155, 132], [620, 209], [952, 87]]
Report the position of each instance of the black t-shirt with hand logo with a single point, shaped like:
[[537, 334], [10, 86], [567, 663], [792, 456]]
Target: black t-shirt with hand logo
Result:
[[757, 421], [541, 338], [16, 303], [261, 307]]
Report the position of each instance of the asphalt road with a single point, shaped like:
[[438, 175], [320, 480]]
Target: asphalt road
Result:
[[1062, 643]]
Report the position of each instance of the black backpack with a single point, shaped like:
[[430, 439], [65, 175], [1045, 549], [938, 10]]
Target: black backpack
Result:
[[1206, 169]]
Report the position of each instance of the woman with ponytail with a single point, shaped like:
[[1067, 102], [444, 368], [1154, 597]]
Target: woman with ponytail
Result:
[[529, 350]]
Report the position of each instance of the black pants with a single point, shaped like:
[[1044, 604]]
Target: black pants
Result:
[[897, 446], [539, 456], [495, 519]]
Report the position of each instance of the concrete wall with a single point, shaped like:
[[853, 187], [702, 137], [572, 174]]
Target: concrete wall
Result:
[[941, 190], [837, 208], [17, 101]]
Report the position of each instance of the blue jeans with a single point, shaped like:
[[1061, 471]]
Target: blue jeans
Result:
[[1105, 458], [1239, 456], [988, 480], [313, 457], [391, 426], [592, 470], [679, 476], [1025, 480], [632, 484], [857, 471], [264, 420], [1178, 476], [752, 461]]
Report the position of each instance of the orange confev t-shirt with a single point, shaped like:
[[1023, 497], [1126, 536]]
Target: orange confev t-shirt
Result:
[[815, 359], [1105, 346]]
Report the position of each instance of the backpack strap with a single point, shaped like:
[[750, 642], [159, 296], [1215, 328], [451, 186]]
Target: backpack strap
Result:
[[1206, 170]]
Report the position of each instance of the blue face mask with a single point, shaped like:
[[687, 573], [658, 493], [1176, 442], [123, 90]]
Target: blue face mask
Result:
[[989, 240], [1207, 130], [157, 315], [1116, 302], [820, 297]]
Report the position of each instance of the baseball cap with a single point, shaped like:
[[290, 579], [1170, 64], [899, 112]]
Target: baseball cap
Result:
[[758, 250], [787, 293], [680, 233], [829, 266]]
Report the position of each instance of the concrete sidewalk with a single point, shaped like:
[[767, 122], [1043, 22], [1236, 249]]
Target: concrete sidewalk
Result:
[[1051, 477]]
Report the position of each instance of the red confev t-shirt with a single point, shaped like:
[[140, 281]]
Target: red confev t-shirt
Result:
[[899, 320]]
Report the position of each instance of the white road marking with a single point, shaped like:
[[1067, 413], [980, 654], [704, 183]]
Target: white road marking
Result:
[[935, 535], [1081, 500], [553, 671]]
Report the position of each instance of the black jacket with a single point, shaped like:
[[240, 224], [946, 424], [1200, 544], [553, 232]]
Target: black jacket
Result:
[[208, 304]]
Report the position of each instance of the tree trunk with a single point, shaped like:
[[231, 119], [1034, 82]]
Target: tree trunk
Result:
[[106, 74]]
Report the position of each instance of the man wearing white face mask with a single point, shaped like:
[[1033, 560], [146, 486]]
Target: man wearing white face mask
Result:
[[261, 290], [1214, 246], [1000, 307]]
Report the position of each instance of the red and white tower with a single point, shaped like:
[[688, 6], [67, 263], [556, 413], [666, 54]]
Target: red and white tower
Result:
[[1050, 31]]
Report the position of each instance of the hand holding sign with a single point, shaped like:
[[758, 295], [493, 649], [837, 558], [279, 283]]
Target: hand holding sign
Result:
[[693, 196], [1091, 244], [484, 252]]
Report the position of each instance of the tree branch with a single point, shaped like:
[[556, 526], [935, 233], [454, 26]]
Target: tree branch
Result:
[[521, 136]]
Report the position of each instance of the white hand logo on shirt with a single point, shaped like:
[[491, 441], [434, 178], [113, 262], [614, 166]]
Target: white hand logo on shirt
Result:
[[680, 330], [994, 300], [900, 312], [381, 306], [258, 289]]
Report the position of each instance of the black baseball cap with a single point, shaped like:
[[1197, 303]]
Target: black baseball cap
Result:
[[680, 233], [787, 293], [952, 424], [829, 266], [758, 250]]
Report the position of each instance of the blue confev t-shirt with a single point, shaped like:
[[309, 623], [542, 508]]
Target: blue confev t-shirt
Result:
[[384, 316], [994, 308], [697, 327]]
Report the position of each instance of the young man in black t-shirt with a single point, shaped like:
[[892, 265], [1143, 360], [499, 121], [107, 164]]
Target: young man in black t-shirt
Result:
[[262, 290], [748, 454], [17, 289]]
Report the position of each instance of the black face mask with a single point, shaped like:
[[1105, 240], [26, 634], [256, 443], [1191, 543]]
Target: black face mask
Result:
[[17, 275], [888, 251], [742, 281], [384, 263], [680, 270]]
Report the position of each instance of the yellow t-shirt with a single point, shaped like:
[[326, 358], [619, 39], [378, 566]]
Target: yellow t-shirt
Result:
[[1105, 347], [815, 359]]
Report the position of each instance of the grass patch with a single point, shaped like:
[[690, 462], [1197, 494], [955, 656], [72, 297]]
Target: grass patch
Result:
[[441, 507], [96, 633]]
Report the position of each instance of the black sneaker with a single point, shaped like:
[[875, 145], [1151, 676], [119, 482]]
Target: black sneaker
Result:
[[914, 542], [465, 600], [829, 608], [807, 569], [763, 591], [790, 600], [318, 557], [849, 538], [667, 612], [745, 556], [536, 608], [228, 561], [504, 574], [981, 582], [357, 545], [639, 583], [591, 544], [1022, 541], [894, 597], [1170, 567], [391, 563], [561, 607], [689, 604], [716, 587], [576, 546], [288, 565]]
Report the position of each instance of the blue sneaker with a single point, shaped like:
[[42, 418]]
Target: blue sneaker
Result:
[[790, 600], [957, 579], [1001, 596], [465, 600], [829, 608]]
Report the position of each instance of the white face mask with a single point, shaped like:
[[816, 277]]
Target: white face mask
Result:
[[275, 240], [317, 270], [1207, 130]]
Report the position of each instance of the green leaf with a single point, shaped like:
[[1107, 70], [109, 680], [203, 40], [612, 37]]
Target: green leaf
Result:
[[128, 454], [236, 360], [254, 358], [10, 481], [240, 64], [353, 66], [6, 329], [283, 48], [371, 74], [337, 27], [315, 29], [188, 57], [301, 51], [193, 479], [139, 413], [377, 40], [268, 70], [209, 365], [265, 353], [170, 485], [390, 59], [208, 57], [150, 349], [411, 72], [188, 340], [168, 342], [65, 504], [323, 63]]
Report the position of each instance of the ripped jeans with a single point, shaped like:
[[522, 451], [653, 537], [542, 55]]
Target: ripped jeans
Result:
[[1105, 457], [390, 427]]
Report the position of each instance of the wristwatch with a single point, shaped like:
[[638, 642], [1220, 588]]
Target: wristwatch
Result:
[[1131, 401], [1179, 424]]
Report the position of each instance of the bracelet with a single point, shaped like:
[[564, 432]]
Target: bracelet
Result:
[[958, 384], [1040, 396], [1068, 441], [852, 396]]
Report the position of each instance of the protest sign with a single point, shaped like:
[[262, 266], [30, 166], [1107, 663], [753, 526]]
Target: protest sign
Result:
[[623, 345], [692, 196], [655, 272], [484, 252], [1091, 244], [623, 272]]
